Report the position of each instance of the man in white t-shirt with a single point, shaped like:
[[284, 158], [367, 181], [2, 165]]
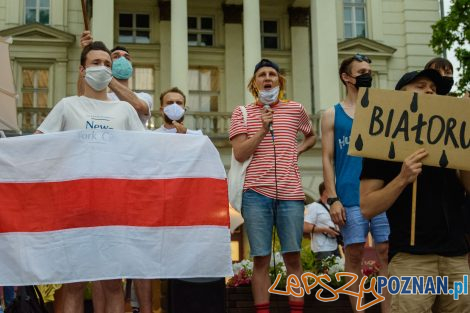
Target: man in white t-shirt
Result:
[[142, 103], [122, 71], [92, 110], [322, 230], [172, 108]]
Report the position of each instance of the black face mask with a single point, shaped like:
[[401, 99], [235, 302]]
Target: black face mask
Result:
[[447, 83], [364, 80]]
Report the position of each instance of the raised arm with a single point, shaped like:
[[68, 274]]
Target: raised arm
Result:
[[125, 94], [244, 147], [376, 197]]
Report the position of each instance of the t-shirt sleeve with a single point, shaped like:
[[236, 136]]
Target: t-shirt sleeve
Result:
[[147, 99], [237, 126], [311, 214], [149, 102], [305, 125], [376, 169], [54, 121]]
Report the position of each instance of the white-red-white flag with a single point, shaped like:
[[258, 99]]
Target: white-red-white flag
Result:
[[100, 204]]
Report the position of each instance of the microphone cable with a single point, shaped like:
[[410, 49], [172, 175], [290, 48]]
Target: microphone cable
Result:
[[275, 206]]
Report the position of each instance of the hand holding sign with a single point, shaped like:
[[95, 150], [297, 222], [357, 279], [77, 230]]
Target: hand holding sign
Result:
[[412, 166]]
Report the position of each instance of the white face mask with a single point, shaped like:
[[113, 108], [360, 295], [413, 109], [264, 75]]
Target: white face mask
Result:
[[269, 96], [98, 77], [174, 111]]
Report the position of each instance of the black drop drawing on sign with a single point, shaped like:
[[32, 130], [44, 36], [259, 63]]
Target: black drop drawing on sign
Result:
[[391, 151], [414, 103], [443, 162], [365, 99], [359, 144]]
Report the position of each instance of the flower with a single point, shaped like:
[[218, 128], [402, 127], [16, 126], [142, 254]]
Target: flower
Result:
[[244, 270], [370, 269]]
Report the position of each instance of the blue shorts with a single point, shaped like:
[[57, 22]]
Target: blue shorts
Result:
[[356, 228], [258, 212]]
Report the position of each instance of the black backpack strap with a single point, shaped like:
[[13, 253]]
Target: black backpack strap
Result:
[[323, 205]]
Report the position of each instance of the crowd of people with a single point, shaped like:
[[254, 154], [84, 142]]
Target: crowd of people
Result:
[[358, 196]]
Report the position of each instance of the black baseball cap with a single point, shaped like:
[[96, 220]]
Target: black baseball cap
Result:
[[268, 63], [432, 74]]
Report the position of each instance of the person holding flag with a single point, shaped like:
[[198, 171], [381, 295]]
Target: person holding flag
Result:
[[92, 110]]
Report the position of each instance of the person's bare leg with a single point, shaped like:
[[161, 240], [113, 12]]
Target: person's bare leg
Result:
[[354, 254], [293, 266], [59, 301], [113, 295], [143, 289], [73, 297], [260, 281], [99, 302], [382, 253]]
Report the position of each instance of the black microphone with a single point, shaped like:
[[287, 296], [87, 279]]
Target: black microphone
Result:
[[267, 107]]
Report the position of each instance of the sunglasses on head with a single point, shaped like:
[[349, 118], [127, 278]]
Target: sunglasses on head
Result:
[[361, 58]]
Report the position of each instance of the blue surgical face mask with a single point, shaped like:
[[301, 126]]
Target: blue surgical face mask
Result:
[[122, 68]]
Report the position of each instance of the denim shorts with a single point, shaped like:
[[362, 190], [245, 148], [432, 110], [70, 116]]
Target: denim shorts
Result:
[[259, 213], [356, 228]]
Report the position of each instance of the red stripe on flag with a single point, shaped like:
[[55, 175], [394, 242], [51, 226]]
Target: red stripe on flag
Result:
[[47, 206]]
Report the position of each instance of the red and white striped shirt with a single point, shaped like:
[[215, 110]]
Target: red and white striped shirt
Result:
[[288, 119]]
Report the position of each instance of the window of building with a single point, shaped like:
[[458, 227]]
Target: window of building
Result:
[[269, 34], [203, 89], [35, 88], [34, 95], [134, 28], [354, 18], [37, 11], [142, 80], [200, 31]]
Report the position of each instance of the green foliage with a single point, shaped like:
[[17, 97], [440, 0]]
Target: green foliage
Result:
[[454, 29]]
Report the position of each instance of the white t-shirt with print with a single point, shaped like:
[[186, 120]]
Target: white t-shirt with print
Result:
[[142, 96], [316, 214], [86, 113]]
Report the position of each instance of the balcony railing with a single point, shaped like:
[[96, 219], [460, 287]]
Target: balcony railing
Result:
[[213, 124]]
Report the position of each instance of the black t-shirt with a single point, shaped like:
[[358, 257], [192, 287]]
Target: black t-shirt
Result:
[[439, 210]]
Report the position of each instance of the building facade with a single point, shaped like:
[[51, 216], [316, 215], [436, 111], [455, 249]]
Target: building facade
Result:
[[209, 49]]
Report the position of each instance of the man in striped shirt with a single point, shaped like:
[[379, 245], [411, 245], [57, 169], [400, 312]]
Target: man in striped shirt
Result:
[[273, 194]]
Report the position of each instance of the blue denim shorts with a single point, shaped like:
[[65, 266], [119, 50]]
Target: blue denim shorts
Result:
[[356, 228], [259, 214]]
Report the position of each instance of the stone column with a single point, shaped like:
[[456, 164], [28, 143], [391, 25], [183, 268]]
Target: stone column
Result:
[[234, 80], [60, 85], [165, 47], [324, 54], [179, 44], [251, 40], [301, 73], [102, 25]]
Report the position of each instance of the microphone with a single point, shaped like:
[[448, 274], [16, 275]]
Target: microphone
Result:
[[267, 107]]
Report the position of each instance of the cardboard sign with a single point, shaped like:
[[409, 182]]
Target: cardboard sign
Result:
[[391, 125]]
